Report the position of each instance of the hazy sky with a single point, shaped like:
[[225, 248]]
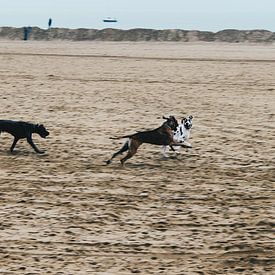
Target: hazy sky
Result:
[[212, 15]]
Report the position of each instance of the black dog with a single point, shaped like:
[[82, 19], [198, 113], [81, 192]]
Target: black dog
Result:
[[21, 129], [162, 135]]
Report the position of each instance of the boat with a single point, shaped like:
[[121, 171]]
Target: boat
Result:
[[109, 20]]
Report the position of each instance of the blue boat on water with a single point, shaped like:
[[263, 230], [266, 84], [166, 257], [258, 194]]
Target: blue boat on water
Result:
[[109, 20]]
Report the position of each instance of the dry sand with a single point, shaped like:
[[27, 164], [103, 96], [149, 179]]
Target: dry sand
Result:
[[208, 211]]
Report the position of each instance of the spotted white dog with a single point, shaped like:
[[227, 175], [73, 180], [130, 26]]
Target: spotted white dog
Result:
[[181, 135]]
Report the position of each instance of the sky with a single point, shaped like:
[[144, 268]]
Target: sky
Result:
[[205, 15]]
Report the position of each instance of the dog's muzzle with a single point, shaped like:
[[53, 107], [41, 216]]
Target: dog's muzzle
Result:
[[45, 135], [188, 125]]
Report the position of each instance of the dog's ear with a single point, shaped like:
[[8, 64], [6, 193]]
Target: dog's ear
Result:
[[165, 117], [191, 117], [183, 119]]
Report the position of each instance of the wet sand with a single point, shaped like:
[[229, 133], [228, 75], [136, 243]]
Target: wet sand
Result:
[[208, 211]]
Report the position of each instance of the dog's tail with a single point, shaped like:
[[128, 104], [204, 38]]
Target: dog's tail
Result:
[[127, 136]]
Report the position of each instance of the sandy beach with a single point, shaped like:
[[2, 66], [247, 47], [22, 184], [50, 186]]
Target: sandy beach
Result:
[[208, 211]]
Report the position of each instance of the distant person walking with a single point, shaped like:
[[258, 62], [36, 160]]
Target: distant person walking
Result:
[[50, 23], [26, 31]]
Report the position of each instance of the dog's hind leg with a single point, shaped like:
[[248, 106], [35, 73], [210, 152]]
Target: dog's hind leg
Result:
[[124, 148], [134, 144], [14, 143]]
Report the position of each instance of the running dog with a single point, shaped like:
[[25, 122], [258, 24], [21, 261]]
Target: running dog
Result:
[[181, 134], [162, 135], [21, 129]]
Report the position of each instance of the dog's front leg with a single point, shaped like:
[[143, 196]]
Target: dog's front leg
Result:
[[164, 149], [174, 150], [14, 143], [188, 145], [30, 141]]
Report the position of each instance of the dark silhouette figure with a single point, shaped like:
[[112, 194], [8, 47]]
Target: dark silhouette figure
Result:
[[50, 23], [26, 31]]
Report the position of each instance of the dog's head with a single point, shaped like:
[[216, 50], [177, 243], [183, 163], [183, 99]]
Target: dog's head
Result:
[[41, 130], [171, 122], [187, 122]]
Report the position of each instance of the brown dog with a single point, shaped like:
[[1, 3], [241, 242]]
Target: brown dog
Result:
[[162, 135]]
